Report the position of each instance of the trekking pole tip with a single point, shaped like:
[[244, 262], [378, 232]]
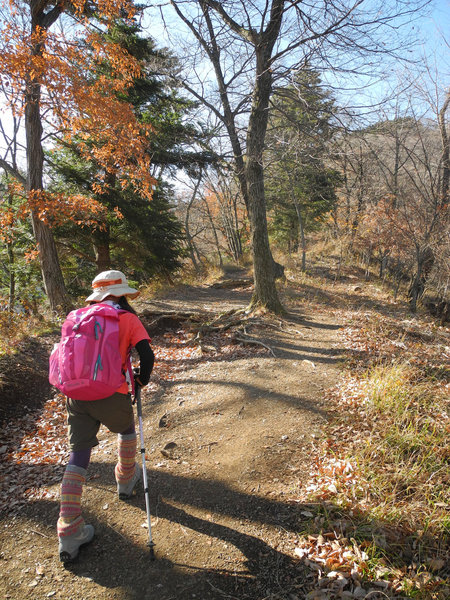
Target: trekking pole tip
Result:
[[152, 551]]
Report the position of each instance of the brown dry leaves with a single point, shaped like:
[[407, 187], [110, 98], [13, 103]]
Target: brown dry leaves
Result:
[[344, 567]]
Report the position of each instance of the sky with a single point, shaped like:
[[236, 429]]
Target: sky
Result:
[[435, 30]]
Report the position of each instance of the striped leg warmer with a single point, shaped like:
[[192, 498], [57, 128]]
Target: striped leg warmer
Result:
[[126, 465], [70, 520]]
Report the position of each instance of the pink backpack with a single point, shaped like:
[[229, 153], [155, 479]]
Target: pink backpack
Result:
[[86, 363]]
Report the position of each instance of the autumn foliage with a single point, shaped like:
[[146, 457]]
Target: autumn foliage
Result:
[[82, 79]]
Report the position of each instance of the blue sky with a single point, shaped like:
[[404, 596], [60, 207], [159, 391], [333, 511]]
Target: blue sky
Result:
[[435, 29]]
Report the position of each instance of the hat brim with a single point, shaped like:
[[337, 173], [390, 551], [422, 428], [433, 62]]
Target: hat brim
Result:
[[113, 290]]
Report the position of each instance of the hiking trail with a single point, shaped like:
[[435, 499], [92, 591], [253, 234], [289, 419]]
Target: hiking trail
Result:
[[229, 433]]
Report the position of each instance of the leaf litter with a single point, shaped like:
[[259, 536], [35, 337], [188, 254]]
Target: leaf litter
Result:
[[343, 566]]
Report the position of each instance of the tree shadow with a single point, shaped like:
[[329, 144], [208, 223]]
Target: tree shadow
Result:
[[248, 392], [212, 541]]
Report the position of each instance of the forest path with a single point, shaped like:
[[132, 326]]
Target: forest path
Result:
[[242, 422]]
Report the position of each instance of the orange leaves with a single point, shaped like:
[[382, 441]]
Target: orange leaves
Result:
[[122, 65], [31, 255], [8, 212], [108, 133], [56, 209], [51, 209], [107, 9], [213, 201], [7, 220], [81, 77]]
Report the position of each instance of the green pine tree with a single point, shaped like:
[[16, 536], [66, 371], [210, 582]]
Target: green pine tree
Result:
[[148, 239], [300, 186]]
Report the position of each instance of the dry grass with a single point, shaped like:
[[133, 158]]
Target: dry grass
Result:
[[382, 469], [406, 456], [15, 328]]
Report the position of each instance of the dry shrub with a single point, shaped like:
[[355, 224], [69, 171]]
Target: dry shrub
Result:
[[14, 328]]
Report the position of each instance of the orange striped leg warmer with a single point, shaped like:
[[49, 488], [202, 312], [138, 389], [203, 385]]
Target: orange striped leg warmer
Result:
[[126, 465], [70, 520]]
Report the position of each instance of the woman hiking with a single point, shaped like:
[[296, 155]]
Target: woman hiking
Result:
[[92, 366]]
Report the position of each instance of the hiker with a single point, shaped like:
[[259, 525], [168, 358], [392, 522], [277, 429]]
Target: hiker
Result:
[[84, 416]]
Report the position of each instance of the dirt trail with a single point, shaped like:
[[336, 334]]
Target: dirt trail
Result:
[[224, 520]]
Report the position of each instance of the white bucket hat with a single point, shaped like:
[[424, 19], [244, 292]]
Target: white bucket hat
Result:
[[110, 283]]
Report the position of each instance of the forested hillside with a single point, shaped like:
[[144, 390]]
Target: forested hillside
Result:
[[274, 178]]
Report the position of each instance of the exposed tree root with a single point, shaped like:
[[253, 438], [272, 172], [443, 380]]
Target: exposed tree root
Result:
[[236, 321], [250, 340]]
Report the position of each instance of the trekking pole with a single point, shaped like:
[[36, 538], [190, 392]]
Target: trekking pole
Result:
[[150, 543]]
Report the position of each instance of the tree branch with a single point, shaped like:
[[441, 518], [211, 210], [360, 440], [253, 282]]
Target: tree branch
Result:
[[249, 34], [12, 171]]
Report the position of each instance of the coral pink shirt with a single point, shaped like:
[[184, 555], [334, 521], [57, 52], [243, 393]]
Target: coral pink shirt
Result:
[[131, 332]]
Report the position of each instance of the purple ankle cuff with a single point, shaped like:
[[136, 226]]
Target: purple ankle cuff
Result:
[[80, 458]]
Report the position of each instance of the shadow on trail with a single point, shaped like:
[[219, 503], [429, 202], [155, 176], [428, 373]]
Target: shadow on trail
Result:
[[297, 318], [281, 349], [185, 538], [248, 393], [241, 537]]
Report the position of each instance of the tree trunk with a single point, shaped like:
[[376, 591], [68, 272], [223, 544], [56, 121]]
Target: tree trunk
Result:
[[101, 245], [216, 237], [192, 249], [12, 278], [48, 256], [236, 234], [425, 261], [11, 270], [50, 267], [301, 233], [265, 293], [250, 174], [396, 170], [445, 178], [190, 242]]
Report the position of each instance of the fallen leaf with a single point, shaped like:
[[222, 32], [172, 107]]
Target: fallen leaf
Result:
[[309, 363], [300, 552], [436, 564]]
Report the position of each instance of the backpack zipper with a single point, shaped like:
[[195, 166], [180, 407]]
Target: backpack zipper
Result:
[[98, 365]]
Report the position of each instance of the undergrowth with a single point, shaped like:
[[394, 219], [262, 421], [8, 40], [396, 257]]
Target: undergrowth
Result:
[[16, 328], [409, 447], [382, 469]]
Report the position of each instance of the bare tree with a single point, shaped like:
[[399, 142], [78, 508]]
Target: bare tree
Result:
[[192, 227], [406, 208], [10, 166], [225, 202], [252, 45]]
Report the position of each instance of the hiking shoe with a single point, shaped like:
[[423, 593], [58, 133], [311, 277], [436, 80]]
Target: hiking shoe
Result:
[[125, 490], [69, 545]]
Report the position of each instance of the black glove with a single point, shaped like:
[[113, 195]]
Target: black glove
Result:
[[137, 381]]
